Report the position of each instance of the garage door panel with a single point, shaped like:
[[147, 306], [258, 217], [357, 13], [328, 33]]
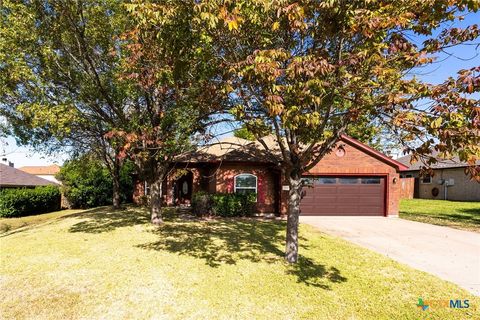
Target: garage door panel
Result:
[[329, 191], [346, 196], [368, 209], [369, 190], [316, 207], [347, 210], [348, 201], [365, 196], [367, 201], [373, 192]]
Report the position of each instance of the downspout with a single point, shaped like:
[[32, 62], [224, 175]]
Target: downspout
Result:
[[445, 187]]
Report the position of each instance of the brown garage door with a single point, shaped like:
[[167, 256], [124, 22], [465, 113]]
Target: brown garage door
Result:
[[343, 196]]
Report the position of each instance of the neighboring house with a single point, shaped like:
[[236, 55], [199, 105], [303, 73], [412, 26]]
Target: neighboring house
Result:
[[44, 172], [11, 177], [449, 181], [353, 179]]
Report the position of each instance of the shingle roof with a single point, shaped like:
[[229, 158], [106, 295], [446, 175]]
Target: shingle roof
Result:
[[236, 149], [41, 170], [443, 163], [229, 149], [12, 177]]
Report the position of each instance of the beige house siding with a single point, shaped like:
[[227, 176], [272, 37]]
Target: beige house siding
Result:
[[463, 189], [49, 177]]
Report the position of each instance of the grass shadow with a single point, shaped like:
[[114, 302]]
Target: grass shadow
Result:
[[216, 242], [472, 211], [222, 241], [105, 219], [450, 217], [460, 218], [313, 274], [229, 241]]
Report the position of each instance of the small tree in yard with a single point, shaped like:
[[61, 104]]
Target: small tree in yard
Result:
[[313, 70], [87, 182]]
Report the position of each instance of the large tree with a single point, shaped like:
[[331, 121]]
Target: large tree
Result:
[[123, 80], [312, 70], [177, 86], [59, 88]]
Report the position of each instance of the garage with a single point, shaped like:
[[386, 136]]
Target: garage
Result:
[[343, 196]]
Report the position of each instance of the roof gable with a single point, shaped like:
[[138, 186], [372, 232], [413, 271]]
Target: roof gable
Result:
[[374, 153], [41, 170]]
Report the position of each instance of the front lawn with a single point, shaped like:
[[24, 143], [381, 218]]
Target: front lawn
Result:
[[11, 224], [116, 265], [455, 214]]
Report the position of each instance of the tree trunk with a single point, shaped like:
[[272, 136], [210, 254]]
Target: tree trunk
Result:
[[156, 200], [294, 196], [116, 184]]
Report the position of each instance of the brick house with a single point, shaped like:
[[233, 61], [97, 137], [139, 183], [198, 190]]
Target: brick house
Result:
[[353, 179]]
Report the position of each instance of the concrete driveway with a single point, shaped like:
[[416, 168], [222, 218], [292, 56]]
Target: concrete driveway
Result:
[[450, 254]]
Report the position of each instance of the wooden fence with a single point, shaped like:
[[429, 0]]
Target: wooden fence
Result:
[[407, 188]]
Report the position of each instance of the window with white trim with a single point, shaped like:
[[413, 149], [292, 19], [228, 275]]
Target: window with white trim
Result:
[[245, 183]]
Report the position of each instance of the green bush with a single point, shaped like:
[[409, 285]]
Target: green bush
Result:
[[202, 203], [223, 204], [24, 202], [87, 183]]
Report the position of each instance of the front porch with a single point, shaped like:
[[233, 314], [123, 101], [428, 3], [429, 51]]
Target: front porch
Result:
[[186, 179]]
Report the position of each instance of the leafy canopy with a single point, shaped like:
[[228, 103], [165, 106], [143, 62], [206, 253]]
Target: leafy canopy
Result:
[[170, 65], [58, 77], [312, 71]]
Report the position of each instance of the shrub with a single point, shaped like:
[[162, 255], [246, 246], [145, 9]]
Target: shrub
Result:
[[24, 202], [87, 183], [202, 203], [223, 204]]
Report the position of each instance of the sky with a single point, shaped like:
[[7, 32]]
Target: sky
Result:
[[460, 57]]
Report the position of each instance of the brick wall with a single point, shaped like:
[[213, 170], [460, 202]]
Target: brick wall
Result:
[[265, 180], [220, 178], [355, 162]]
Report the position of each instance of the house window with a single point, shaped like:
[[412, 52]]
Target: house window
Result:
[[246, 183], [427, 180]]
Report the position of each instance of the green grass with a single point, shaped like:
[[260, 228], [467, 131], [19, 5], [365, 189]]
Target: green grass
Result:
[[8, 225], [116, 265], [455, 214]]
